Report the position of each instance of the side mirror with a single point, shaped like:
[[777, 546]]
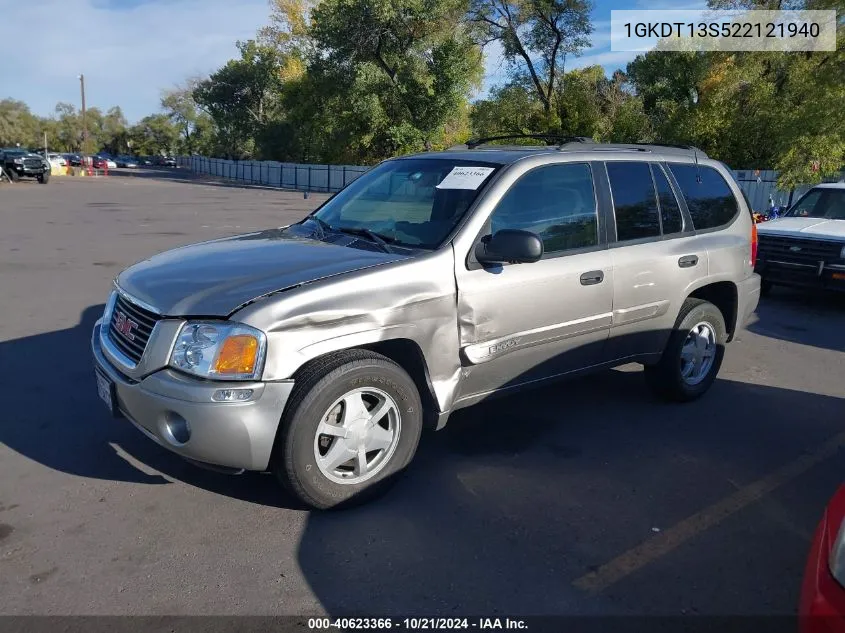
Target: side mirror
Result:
[[509, 246]]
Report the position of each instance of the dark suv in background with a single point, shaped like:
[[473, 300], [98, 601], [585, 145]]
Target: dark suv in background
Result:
[[18, 163]]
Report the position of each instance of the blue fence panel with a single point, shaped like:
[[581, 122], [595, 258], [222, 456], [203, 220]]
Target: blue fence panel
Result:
[[760, 186]]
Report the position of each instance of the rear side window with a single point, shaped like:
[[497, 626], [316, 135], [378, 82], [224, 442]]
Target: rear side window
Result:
[[670, 211], [634, 202], [711, 202]]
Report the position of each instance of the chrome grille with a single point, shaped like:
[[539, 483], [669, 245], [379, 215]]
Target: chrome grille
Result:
[[797, 250], [130, 327], [32, 163]]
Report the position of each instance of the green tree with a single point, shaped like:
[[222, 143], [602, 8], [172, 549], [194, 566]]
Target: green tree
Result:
[[406, 69], [17, 124], [242, 96], [510, 109], [154, 135], [195, 126], [68, 128], [537, 37]]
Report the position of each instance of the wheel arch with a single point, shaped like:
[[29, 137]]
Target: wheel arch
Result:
[[725, 296], [409, 356]]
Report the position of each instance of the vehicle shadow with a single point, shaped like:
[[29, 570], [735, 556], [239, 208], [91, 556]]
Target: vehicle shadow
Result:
[[800, 316], [520, 496], [62, 424], [504, 508]]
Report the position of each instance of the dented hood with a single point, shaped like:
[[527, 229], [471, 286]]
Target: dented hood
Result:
[[216, 278]]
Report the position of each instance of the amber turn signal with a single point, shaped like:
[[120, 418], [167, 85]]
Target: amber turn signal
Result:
[[238, 355]]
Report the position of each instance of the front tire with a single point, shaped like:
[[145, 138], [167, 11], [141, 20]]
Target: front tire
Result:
[[693, 355], [44, 178], [13, 175], [351, 427]]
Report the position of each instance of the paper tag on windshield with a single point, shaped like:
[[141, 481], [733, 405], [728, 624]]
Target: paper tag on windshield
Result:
[[465, 178]]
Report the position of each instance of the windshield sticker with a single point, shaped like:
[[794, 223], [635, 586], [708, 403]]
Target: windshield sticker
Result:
[[465, 178]]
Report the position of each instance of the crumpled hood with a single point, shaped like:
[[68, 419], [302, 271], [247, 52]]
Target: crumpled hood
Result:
[[215, 278], [804, 227]]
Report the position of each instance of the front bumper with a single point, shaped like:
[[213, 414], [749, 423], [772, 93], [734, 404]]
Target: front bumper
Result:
[[802, 275], [238, 435], [28, 172]]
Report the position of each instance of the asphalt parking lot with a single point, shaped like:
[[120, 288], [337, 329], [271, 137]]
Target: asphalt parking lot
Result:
[[587, 497]]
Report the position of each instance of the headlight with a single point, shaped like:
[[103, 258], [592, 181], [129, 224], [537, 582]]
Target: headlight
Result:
[[220, 350], [18, 161], [837, 556]]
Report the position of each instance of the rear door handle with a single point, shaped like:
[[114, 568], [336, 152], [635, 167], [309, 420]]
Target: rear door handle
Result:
[[592, 278], [688, 261]]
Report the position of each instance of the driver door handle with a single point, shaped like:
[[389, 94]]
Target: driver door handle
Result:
[[592, 278]]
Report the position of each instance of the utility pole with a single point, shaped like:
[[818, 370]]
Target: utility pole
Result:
[[84, 122]]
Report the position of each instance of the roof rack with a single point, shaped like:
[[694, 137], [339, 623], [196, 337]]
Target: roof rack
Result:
[[663, 148], [550, 139], [580, 144]]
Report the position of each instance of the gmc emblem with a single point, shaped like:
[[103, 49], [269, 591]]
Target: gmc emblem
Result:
[[124, 325]]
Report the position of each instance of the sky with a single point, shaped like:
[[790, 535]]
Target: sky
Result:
[[131, 50]]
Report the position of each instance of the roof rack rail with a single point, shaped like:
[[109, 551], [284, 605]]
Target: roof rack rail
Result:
[[665, 148], [691, 148], [550, 139]]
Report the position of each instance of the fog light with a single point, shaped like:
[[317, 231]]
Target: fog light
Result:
[[177, 428], [232, 395]]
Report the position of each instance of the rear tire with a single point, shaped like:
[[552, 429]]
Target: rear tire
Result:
[[693, 355], [372, 411]]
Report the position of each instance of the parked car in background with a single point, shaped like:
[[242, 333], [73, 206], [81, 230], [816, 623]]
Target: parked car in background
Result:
[[57, 160], [145, 161], [168, 161], [100, 162], [822, 605], [126, 161], [806, 246], [317, 351], [19, 163]]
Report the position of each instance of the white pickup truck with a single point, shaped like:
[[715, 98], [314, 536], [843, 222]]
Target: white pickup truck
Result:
[[806, 247]]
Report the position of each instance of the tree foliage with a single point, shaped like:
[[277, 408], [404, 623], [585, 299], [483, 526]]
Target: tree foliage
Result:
[[536, 36], [407, 66], [356, 81]]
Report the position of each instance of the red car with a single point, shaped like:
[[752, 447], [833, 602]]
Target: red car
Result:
[[822, 607]]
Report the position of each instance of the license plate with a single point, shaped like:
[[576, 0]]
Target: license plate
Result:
[[105, 389]]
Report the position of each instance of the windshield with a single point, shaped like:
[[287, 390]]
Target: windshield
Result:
[[823, 203], [414, 202]]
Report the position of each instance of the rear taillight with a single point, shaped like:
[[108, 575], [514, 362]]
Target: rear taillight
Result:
[[754, 242]]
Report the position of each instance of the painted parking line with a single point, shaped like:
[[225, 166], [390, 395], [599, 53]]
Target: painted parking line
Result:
[[663, 543]]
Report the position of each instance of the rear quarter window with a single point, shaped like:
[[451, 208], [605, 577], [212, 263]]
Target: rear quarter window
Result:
[[711, 202]]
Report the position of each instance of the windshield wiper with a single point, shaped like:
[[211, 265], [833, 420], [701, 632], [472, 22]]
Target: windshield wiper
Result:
[[324, 226], [373, 237]]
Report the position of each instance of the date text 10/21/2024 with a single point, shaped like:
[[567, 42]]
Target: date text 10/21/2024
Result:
[[482, 624]]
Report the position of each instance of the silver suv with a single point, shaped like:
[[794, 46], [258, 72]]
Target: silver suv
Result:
[[318, 351]]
